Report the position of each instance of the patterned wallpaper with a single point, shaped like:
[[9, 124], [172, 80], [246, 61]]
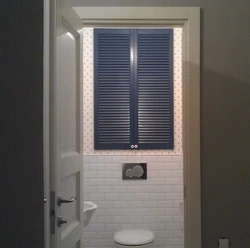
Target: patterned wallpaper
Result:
[[88, 76]]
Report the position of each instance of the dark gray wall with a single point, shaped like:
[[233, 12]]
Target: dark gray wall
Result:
[[21, 124], [225, 115], [225, 119]]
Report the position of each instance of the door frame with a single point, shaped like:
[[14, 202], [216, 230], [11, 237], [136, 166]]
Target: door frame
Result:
[[47, 46], [189, 19]]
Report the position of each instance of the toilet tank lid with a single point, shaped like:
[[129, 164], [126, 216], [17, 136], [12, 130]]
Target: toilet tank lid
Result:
[[134, 237]]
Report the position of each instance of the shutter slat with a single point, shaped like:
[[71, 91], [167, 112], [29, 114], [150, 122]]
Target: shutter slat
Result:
[[155, 88], [112, 88]]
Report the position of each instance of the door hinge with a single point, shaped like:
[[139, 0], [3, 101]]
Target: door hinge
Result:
[[52, 212]]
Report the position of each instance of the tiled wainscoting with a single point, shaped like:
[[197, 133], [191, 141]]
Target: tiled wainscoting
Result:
[[155, 203]]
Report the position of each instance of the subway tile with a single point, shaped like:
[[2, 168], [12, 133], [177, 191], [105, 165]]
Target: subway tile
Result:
[[165, 219], [120, 219], [160, 241], [120, 204], [128, 226], [173, 241], [104, 235], [134, 189], [152, 204], [89, 159], [157, 211], [95, 167], [172, 196], [164, 204], [178, 174], [158, 226], [172, 166], [120, 189], [111, 182], [157, 181], [97, 227], [150, 219], [157, 196], [104, 159], [127, 197], [101, 242], [105, 189], [178, 159], [141, 211], [90, 189], [178, 219], [142, 196], [97, 182], [165, 234], [152, 174], [90, 174], [172, 181], [112, 167], [112, 197], [165, 159], [178, 234], [89, 235], [149, 188], [177, 189], [143, 226], [173, 226], [135, 204], [128, 211], [105, 219], [96, 197], [113, 212], [135, 219], [164, 189], [165, 174]]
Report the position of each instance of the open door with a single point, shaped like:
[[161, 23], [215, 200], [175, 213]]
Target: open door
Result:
[[66, 113]]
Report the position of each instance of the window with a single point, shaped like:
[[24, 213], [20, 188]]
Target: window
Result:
[[133, 88]]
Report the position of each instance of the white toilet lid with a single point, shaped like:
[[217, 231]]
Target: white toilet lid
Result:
[[134, 237]]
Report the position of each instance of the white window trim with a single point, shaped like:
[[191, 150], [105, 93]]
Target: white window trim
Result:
[[189, 19]]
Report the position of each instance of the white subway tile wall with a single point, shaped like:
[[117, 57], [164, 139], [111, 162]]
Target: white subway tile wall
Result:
[[155, 203]]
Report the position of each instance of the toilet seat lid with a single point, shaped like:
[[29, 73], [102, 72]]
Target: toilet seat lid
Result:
[[134, 237]]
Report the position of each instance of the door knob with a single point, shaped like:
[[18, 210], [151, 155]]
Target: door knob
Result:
[[61, 221], [61, 200]]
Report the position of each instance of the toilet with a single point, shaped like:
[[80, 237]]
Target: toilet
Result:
[[135, 238]]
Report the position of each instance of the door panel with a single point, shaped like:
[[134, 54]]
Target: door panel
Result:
[[67, 109]]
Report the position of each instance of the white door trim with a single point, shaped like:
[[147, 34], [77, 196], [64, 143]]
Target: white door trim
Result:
[[46, 119], [189, 19]]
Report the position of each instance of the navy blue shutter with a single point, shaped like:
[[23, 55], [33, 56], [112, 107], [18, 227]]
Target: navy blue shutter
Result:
[[113, 88], [154, 86]]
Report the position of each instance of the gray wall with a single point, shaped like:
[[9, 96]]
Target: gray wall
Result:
[[225, 115], [21, 124]]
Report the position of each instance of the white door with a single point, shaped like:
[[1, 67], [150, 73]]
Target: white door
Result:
[[66, 127]]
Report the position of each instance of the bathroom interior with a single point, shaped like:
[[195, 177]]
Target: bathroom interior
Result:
[[153, 199]]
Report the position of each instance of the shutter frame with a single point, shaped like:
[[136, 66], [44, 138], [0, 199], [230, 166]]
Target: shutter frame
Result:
[[147, 50], [135, 104], [113, 143]]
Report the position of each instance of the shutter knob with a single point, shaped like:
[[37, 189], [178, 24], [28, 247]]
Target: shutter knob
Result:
[[136, 146], [132, 146]]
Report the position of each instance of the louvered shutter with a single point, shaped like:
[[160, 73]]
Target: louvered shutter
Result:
[[154, 86], [113, 87]]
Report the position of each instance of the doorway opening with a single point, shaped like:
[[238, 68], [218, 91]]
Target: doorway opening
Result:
[[156, 203], [187, 18]]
